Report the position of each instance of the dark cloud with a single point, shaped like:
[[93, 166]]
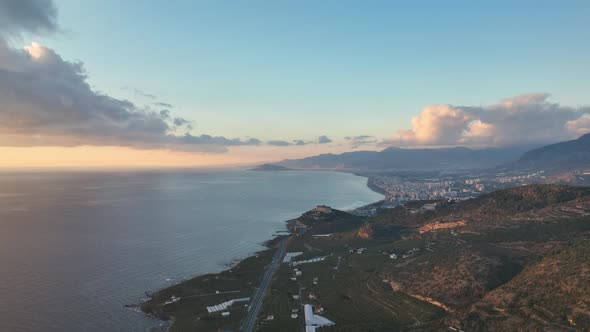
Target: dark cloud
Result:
[[526, 119], [299, 142], [165, 105], [45, 100], [27, 16], [181, 122], [357, 141], [279, 143], [324, 139]]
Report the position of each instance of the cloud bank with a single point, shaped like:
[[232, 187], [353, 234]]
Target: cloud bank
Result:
[[46, 100], [525, 119]]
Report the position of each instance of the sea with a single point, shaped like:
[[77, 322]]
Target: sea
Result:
[[76, 246]]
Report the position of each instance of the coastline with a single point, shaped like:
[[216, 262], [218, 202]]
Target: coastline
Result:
[[236, 264]]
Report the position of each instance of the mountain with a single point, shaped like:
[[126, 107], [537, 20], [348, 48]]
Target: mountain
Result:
[[573, 154], [409, 159]]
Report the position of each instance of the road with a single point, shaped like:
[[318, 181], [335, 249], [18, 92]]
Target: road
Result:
[[258, 298]]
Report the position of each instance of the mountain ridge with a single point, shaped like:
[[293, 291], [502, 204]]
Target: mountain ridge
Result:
[[409, 159], [569, 154]]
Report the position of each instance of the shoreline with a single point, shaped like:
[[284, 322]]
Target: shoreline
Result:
[[234, 264]]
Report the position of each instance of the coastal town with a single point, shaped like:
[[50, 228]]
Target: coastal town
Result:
[[402, 187]]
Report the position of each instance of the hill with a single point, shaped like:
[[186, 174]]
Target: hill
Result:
[[324, 220], [515, 259], [568, 155], [550, 294], [492, 208]]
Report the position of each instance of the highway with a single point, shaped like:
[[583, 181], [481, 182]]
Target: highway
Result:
[[258, 298]]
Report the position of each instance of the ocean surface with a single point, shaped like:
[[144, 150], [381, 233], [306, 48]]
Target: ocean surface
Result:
[[76, 247]]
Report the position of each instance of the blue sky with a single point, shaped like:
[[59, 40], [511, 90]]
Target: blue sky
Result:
[[269, 68], [253, 81]]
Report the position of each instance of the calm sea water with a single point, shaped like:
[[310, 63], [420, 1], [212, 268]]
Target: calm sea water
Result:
[[76, 247]]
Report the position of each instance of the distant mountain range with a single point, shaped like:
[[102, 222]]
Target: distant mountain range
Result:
[[571, 154]]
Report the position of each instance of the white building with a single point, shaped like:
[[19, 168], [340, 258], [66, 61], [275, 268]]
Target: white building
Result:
[[313, 321]]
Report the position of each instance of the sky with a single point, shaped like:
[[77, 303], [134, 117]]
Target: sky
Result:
[[168, 83]]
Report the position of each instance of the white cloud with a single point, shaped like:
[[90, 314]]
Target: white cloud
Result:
[[580, 126], [523, 119]]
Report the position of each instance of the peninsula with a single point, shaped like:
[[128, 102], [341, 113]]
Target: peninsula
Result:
[[270, 168]]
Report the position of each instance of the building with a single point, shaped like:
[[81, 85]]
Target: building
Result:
[[290, 255], [313, 321]]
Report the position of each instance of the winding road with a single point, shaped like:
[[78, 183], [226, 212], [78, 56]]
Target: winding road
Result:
[[258, 298]]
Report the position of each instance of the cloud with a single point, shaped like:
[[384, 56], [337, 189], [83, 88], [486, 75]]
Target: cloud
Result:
[[31, 16], [324, 139], [580, 126], [279, 143], [137, 92], [161, 104], [526, 119], [299, 142], [360, 140], [46, 100]]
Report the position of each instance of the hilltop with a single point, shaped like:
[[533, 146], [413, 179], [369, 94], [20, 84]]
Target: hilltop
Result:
[[568, 155], [324, 220]]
